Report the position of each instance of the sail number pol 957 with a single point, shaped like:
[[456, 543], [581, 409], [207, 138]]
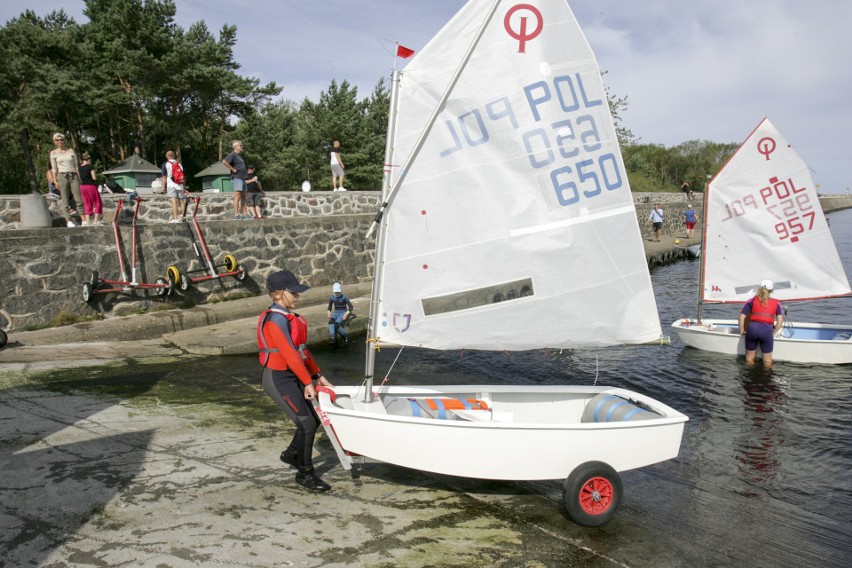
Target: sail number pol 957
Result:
[[789, 204], [571, 145]]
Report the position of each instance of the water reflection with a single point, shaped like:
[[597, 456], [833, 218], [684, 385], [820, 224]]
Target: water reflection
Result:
[[765, 405], [763, 474]]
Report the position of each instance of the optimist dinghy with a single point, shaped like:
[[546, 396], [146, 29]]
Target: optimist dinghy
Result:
[[510, 226], [763, 220]]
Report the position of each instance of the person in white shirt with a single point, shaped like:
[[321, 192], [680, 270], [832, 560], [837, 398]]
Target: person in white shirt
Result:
[[656, 217], [170, 187], [337, 168]]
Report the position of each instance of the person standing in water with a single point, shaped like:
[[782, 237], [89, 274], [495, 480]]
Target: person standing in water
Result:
[[765, 319]]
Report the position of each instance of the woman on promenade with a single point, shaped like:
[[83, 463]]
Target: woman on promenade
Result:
[[64, 164], [690, 218], [289, 372], [93, 208], [766, 318]]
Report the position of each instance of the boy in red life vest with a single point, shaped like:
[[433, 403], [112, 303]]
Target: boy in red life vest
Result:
[[289, 370], [767, 319]]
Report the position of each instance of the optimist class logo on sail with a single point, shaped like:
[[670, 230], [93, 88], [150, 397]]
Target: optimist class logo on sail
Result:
[[555, 120], [521, 35]]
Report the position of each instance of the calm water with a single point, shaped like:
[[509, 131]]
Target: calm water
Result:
[[763, 478]]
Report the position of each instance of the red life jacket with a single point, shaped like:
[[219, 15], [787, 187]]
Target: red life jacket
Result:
[[298, 333], [765, 314]]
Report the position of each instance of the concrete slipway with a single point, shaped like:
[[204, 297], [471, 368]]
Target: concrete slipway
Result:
[[125, 444]]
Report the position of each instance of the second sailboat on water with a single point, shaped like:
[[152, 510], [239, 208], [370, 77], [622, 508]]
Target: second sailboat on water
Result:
[[510, 226], [763, 221]]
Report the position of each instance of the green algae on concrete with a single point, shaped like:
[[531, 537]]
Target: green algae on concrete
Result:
[[175, 462], [187, 383]]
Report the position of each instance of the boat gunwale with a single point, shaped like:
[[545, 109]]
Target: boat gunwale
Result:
[[702, 329], [671, 417]]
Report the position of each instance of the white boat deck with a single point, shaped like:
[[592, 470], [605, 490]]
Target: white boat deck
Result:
[[519, 407], [796, 343]]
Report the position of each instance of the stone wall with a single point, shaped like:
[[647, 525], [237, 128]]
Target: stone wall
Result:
[[215, 206], [42, 270], [673, 205], [219, 206], [318, 235], [835, 202]]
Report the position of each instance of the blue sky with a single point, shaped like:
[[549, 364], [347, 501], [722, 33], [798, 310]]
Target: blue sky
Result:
[[691, 69]]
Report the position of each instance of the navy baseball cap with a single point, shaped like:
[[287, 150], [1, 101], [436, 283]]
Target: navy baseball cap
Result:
[[285, 280]]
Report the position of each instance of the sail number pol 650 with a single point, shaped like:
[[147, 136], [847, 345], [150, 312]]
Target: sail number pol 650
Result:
[[558, 145]]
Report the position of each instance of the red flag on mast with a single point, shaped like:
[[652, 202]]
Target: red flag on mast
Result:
[[404, 52]]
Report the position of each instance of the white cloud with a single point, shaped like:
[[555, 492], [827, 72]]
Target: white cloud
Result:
[[701, 70], [691, 70]]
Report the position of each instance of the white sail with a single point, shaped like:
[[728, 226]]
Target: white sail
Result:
[[764, 221], [513, 227], [512, 189]]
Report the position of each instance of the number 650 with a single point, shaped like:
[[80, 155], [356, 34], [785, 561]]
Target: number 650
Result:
[[567, 192]]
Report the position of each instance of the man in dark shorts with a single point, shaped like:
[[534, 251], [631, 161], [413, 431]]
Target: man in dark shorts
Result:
[[237, 165], [656, 217], [254, 191]]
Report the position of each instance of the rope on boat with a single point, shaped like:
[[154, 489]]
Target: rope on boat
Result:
[[787, 326], [387, 375], [377, 341], [596, 370]]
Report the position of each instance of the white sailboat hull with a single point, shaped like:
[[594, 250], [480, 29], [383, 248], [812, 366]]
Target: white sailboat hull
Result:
[[527, 433], [800, 342]]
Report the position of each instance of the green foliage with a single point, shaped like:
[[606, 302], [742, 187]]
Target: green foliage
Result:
[[290, 145], [64, 318], [651, 167], [131, 80], [38, 75], [268, 134], [67, 318], [640, 182]]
